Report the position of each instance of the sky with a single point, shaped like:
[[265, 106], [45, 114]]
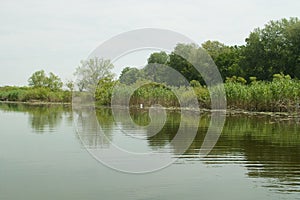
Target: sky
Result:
[[55, 35]]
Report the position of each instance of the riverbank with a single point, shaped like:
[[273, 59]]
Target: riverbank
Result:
[[228, 112], [282, 95], [36, 103], [34, 94], [276, 116]]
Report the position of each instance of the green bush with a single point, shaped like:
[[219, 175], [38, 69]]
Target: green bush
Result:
[[26, 94], [281, 94], [104, 91]]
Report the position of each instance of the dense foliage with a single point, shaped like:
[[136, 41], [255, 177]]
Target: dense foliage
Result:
[[39, 79], [261, 75], [41, 88], [280, 94], [273, 49], [90, 71], [31, 94]]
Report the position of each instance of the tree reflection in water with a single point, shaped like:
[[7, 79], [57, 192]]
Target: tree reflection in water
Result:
[[268, 147], [42, 118]]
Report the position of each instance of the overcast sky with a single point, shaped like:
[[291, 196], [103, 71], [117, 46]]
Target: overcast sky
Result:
[[55, 35]]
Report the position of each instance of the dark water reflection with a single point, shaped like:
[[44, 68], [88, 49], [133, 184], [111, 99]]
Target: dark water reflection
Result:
[[268, 148]]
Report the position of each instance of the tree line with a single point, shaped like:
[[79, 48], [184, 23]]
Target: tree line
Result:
[[41, 87], [260, 75], [273, 49]]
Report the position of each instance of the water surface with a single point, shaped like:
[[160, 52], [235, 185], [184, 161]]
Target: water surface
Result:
[[42, 157]]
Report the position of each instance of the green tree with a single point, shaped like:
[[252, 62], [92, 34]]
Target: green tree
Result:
[[90, 71], [195, 54], [38, 79], [227, 58], [54, 82], [159, 57], [273, 49], [156, 69], [104, 91], [214, 48], [130, 75], [70, 85]]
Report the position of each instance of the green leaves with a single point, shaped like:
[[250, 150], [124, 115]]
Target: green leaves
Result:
[[90, 71], [104, 91], [39, 79], [130, 75], [282, 94], [273, 49]]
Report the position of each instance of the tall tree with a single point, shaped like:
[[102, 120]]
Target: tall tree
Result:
[[159, 58], [38, 79], [198, 59], [273, 49], [156, 69], [130, 75], [214, 48], [227, 58], [91, 71], [70, 85], [54, 82]]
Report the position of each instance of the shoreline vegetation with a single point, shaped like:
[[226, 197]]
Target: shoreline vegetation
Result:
[[280, 95], [260, 76], [275, 116]]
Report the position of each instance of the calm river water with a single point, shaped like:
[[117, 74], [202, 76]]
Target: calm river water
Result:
[[42, 157]]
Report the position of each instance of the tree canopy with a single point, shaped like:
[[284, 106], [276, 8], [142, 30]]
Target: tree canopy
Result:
[[91, 71], [39, 79], [130, 75], [273, 49]]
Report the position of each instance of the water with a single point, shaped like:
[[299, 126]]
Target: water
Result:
[[42, 157]]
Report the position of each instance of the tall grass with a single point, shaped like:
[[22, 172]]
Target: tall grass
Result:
[[280, 95], [154, 93], [27, 94]]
